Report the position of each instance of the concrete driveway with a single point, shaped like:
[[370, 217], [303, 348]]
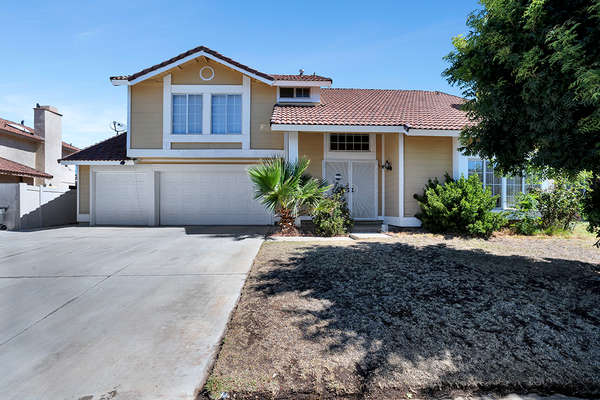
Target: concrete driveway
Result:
[[126, 313]]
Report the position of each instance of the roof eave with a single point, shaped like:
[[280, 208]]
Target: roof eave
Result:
[[97, 162], [292, 83], [201, 53]]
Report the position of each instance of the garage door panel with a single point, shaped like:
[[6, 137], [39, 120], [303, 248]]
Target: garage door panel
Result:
[[216, 196], [120, 198]]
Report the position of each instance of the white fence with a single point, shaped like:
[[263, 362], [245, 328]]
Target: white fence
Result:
[[37, 206]]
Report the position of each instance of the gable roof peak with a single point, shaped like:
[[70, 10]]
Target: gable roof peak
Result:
[[187, 56]]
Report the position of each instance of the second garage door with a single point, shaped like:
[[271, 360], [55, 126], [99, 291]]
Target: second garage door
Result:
[[217, 195]]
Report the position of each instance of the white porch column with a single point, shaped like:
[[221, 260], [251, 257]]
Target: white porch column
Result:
[[503, 200], [400, 167], [292, 146]]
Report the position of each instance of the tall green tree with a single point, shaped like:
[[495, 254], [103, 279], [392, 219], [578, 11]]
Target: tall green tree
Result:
[[530, 70]]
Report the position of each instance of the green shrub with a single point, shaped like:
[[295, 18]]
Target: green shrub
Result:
[[331, 216], [528, 221], [460, 206], [561, 207]]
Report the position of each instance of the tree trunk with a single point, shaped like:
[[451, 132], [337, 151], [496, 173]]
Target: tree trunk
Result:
[[286, 221]]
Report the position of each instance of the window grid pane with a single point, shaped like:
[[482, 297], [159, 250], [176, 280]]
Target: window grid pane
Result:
[[194, 113], [513, 186], [493, 181], [219, 114], [348, 142], [286, 92], [234, 113], [302, 92], [179, 113], [227, 114]]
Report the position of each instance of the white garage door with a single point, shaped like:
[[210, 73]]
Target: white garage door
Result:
[[216, 195], [120, 199]]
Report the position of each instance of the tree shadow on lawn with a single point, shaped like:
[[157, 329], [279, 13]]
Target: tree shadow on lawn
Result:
[[434, 319]]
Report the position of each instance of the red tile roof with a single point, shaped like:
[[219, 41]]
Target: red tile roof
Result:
[[18, 129], [189, 53], [310, 78], [111, 149], [8, 167], [69, 147], [416, 108]]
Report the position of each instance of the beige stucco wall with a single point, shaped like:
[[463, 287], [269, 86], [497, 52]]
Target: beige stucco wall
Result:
[[21, 151], [263, 98], [424, 158], [310, 146], [391, 177], [197, 145], [189, 74], [84, 189], [146, 115]]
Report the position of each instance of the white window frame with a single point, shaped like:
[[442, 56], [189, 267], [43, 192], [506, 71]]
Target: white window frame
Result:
[[206, 91], [349, 155], [314, 95], [226, 107], [187, 113]]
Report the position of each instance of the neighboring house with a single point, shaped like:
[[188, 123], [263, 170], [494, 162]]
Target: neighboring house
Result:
[[32, 155], [196, 123]]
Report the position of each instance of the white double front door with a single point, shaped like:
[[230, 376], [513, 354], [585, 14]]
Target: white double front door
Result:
[[360, 178]]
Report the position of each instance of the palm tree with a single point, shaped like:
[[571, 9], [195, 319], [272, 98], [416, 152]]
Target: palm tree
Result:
[[284, 188]]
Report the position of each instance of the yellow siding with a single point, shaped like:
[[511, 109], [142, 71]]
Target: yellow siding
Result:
[[84, 188], [263, 98], [379, 162], [391, 177], [424, 158], [310, 145], [195, 145], [189, 74], [146, 115]]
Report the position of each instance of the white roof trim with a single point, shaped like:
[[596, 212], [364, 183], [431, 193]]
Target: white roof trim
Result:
[[433, 132], [90, 162], [339, 128], [286, 83], [119, 82]]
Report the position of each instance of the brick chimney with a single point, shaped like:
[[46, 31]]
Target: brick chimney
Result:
[[47, 122]]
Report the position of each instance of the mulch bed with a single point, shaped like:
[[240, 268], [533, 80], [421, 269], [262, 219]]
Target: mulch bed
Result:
[[417, 315]]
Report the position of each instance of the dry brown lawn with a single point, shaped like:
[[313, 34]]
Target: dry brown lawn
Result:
[[418, 315]]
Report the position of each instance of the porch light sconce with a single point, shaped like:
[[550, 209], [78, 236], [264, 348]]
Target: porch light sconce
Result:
[[386, 165]]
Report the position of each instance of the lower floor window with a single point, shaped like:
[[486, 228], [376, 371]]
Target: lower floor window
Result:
[[492, 180]]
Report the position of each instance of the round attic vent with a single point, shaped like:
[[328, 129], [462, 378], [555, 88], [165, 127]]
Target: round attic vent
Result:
[[207, 73]]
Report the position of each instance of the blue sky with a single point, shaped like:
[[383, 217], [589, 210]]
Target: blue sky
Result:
[[62, 53]]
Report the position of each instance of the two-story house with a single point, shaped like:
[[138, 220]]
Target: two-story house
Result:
[[32, 155], [197, 121]]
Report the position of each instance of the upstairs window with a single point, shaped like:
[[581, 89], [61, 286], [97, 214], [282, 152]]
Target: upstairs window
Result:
[[187, 114], [226, 114], [348, 142], [290, 93]]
